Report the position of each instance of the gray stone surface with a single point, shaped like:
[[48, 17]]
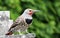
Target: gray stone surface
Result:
[[29, 35], [5, 22]]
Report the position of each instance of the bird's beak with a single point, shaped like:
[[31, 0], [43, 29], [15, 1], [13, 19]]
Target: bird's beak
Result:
[[35, 11]]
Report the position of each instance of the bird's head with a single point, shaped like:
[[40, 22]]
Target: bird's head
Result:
[[30, 11]]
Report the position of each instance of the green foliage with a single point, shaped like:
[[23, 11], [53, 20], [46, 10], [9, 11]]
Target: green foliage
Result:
[[46, 23]]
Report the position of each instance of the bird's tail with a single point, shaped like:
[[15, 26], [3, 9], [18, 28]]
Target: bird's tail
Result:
[[9, 33]]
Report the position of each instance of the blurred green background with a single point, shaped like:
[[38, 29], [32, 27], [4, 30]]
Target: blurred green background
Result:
[[46, 23]]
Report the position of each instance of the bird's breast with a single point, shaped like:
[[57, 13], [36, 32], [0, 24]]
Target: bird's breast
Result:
[[28, 21]]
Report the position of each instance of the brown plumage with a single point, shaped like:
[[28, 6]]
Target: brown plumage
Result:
[[18, 24], [9, 33]]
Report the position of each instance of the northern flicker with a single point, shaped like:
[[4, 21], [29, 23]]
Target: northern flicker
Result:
[[22, 22]]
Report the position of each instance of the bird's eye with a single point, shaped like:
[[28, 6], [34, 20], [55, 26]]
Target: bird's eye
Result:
[[30, 11]]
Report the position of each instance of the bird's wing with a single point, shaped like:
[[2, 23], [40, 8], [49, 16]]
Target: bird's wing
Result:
[[18, 21]]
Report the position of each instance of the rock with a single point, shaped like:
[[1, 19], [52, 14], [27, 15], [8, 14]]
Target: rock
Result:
[[5, 22], [29, 35]]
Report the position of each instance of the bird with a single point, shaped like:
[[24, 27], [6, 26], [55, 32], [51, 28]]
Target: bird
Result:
[[23, 22]]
